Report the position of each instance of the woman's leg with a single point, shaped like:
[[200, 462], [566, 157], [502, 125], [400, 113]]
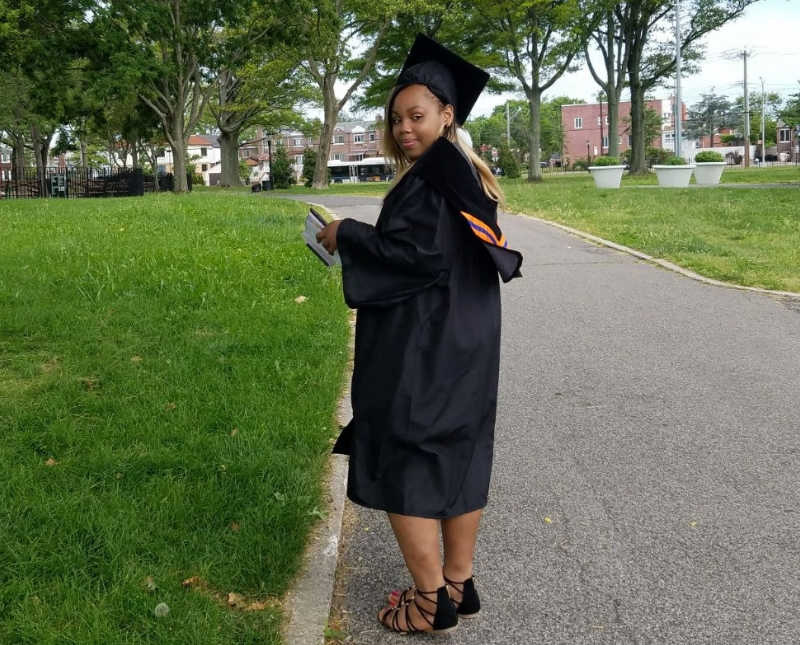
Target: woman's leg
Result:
[[459, 535], [418, 538]]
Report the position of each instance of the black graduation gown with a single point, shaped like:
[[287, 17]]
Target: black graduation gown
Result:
[[425, 282]]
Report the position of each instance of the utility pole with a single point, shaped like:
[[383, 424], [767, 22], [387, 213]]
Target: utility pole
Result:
[[763, 120], [746, 115], [678, 114], [601, 123], [508, 127]]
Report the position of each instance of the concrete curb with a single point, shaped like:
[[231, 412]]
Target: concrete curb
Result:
[[666, 264], [308, 601]]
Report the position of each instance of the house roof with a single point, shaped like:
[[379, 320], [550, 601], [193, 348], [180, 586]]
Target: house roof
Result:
[[203, 140]]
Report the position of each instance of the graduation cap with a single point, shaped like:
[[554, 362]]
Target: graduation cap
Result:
[[452, 79]]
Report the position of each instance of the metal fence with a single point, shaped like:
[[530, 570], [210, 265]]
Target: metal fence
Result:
[[83, 182]]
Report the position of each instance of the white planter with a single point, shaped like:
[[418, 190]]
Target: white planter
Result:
[[708, 173], [674, 176], [606, 176]]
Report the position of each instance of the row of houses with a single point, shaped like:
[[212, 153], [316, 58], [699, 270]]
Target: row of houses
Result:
[[585, 127], [586, 132]]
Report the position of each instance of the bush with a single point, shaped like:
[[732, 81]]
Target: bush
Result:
[[282, 175], [508, 163], [309, 166], [672, 160], [708, 155], [197, 180], [580, 164], [606, 161]]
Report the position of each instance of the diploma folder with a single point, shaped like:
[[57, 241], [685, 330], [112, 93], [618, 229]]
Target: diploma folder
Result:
[[314, 224]]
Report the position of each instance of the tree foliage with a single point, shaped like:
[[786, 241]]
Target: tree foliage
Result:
[[646, 29], [708, 115], [329, 32], [534, 42]]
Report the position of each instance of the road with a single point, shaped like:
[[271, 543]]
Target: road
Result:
[[646, 485]]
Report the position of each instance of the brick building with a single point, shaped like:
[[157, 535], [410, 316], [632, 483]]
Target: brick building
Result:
[[585, 136], [352, 141], [788, 147]]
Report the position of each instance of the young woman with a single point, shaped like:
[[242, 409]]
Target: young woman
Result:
[[424, 280]]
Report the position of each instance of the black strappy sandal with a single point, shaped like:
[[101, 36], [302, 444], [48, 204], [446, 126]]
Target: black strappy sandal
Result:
[[470, 603], [444, 620]]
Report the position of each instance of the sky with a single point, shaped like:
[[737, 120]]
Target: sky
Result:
[[768, 29]]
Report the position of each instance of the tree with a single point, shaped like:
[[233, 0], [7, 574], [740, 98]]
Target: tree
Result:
[[771, 110], [608, 39], [43, 45], [254, 79], [329, 30], [507, 162], [651, 128], [309, 164], [282, 175], [535, 42], [708, 115], [163, 48], [790, 112], [645, 27]]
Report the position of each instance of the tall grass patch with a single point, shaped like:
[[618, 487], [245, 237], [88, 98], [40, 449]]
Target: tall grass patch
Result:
[[166, 409]]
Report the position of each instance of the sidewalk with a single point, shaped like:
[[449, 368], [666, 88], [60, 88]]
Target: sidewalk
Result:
[[646, 484]]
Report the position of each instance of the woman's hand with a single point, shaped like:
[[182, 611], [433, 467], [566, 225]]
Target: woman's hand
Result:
[[327, 236]]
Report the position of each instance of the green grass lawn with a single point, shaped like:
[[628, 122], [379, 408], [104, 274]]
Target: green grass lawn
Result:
[[166, 411], [739, 235]]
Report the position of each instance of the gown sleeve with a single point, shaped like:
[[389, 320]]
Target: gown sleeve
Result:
[[387, 264]]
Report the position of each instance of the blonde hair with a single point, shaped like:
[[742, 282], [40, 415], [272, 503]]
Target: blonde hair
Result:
[[403, 164]]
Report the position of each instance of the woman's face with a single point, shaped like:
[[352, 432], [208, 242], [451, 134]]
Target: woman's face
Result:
[[418, 119]]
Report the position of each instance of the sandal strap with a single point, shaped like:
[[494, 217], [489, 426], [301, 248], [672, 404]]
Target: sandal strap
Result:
[[453, 583], [411, 628], [429, 616]]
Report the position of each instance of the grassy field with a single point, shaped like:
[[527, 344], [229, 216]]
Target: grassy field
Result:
[[748, 236], [166, 410]]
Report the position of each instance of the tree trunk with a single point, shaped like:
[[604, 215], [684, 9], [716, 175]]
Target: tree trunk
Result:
[[639, 145], [135, 154], [41, 146], [178, 145], [18, 158], [534, 134], [613, 125], [229, 151], [331, 114]]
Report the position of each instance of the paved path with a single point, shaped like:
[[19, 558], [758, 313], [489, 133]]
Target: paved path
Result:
[[647, 473]]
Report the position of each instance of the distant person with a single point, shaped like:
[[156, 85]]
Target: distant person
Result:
[[425, 282]]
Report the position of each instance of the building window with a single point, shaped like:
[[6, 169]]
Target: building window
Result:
[[203, 152], [337, 156], [338, 139], [578, 123], [298, 160], [298, 142], [619, 142], [630, 140], [784, 135], [605, 141], [357, 157], [358, 138], [203, 167], [372, 136]]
